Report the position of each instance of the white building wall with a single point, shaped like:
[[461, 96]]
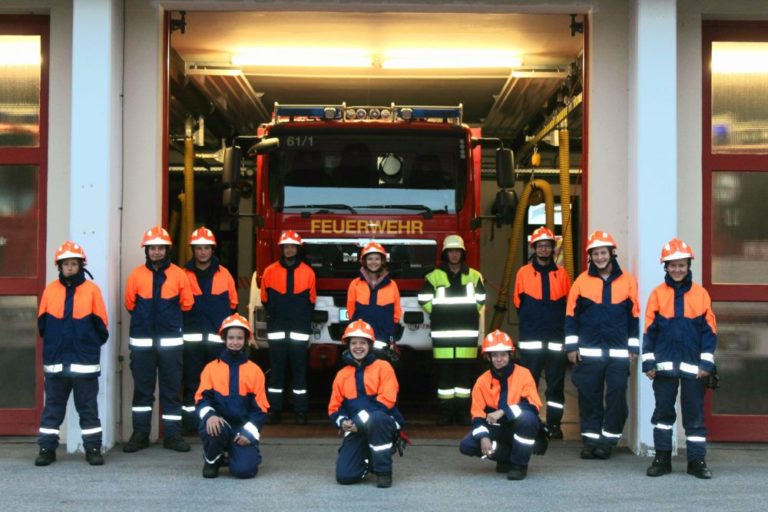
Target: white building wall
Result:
[[129, 144], [142, 165], [96, 170], [652, 192]]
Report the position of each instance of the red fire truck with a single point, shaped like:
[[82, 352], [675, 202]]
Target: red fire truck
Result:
[[405, 176]]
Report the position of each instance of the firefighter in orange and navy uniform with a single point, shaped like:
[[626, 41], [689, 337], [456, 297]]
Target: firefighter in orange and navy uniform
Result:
[[375, 297], [156, 294], [601, 339], [232, 404], [363, 406], [541, 290], [288, 293], [72, 321], [505, 410], [679, 351], [215, 299]]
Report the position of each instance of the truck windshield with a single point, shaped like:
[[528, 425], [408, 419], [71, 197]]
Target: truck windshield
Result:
[[405, 172]]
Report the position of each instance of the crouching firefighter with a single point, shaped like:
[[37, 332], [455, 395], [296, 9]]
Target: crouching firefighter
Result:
[[363, 407], [679, 352], [505, 411], [232, 404]]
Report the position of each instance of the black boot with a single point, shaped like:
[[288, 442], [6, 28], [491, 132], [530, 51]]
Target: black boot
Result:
[[462, 411], [445, 412], [138, 441], [176, 443], [384, 480], [588, 452], [503, 467], [555, 432], [603, 451], [93, 456], [661, 465], [301, 418], [699, 469], [517, 472], [211, 470], [45, 457]]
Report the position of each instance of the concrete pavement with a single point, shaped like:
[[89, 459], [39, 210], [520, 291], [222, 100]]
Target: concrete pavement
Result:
[[298, 475]]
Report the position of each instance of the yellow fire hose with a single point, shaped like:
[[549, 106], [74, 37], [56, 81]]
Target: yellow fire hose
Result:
[[511, 265], [565, 200]]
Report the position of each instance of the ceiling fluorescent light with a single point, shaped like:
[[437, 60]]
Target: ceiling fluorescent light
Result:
[[303, 57], [20, 51], [450, 59]]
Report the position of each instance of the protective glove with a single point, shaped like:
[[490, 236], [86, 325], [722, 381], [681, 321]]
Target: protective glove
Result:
[[542, 440], [713, 381], [399, 441]]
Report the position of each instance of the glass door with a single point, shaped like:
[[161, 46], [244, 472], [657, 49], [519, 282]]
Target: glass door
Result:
[[23, 168], [735, 262]]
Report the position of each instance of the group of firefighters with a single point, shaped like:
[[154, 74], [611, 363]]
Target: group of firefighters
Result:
[[185, 332]]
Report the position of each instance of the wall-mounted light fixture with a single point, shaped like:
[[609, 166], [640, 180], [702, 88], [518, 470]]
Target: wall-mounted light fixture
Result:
[[405, 58], [303, 57], [20, 51], [739, 57]]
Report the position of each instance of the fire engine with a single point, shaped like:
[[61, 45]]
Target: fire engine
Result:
[[340, 176]]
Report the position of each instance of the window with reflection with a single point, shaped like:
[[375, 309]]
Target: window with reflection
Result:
[[19, 220], [739, 229], [19, 90], [741, 358], [18, 334]]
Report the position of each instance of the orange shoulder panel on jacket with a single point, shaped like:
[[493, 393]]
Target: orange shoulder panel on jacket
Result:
[[88, 301], [527, 283], [380, 380], [252, 381], [274, 277], [224, 283]]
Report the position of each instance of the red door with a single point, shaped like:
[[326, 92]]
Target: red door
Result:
[[23, 171], [735, 255]]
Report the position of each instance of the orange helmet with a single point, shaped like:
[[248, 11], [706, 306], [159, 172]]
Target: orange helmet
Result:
[[235, 320], [600, 239], [497, 341], [676, 249], [372, 248], [202, 236], [68, 250], [359, 329], [540, 234], [290, 237], [156, 236]]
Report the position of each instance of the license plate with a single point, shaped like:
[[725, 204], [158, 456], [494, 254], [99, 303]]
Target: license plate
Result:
[[343, 316]]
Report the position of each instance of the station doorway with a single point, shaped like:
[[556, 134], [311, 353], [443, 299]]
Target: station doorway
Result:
[[214, 96]]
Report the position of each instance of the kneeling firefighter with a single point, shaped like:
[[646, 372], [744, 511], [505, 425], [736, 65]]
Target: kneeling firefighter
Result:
[[363, 406]]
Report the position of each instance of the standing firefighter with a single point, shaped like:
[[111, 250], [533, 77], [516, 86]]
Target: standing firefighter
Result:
[[601, 339], [679, 351], [288, 294], [363, 406], [505, 410], [541, 291], [375, 297], [156, 294], [232, 405], [453, 295], [72, 321], [215, 299]]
